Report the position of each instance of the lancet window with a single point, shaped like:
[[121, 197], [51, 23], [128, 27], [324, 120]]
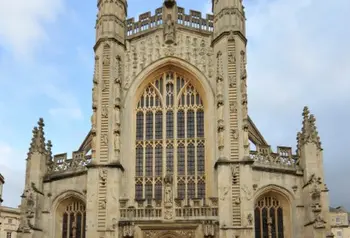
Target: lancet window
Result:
[[74, 220], [269, 218], [170, 139]]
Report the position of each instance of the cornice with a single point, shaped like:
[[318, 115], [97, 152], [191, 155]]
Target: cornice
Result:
[[227, 33]]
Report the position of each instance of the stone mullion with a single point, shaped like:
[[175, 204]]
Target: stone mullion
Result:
[[144, 146], [175, 175], [154, 151], [234, 128], [186, 148], [195, 151]]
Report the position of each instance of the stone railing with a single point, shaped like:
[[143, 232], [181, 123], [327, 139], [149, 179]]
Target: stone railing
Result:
[[192, 20], [61, 163], [283, 158], [183, 210]]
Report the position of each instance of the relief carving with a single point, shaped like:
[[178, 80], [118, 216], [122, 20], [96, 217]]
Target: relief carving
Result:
[[103, 176], [247, 192], [169, 30], [224, 193]]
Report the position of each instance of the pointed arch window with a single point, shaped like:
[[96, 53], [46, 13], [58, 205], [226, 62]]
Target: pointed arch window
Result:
[[269, 218], [170, 138], [74, 220]]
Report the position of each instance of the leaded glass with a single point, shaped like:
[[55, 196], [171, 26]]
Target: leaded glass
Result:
[[268, 218], [169, 133]]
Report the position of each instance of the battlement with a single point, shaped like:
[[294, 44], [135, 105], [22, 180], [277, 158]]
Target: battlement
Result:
[[205, 209], [61, 162], [147, 22], [282, 159]]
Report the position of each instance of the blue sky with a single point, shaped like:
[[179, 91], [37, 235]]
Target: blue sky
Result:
[[298, 55]]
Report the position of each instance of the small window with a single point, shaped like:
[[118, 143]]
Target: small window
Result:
[[337, 220], [339, 234], [8, 235]]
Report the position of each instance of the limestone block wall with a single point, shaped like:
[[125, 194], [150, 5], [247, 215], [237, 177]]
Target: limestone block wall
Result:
[[288, 188], [56, 192]]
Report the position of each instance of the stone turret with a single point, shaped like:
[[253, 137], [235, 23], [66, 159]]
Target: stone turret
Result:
[[229, 44], [105, 168], [31, 222], [315, 192], [228, 16]]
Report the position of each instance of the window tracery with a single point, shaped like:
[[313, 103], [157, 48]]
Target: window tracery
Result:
[[269, 218], [74, 220], [170, 138]]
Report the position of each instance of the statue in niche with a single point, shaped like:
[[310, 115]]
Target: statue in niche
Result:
[[169, 30]]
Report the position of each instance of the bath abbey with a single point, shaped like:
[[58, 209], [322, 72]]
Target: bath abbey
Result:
[[172, 151]]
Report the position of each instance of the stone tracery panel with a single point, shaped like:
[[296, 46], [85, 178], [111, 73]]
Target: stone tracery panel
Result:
[[170, 139]]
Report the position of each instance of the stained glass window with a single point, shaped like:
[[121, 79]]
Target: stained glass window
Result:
[[170, 138], [73, 220], [269, 218]]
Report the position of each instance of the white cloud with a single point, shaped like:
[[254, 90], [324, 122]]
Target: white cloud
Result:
[[298, 55], [22, 23]]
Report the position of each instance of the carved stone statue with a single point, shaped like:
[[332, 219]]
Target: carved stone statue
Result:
[[169, 30]]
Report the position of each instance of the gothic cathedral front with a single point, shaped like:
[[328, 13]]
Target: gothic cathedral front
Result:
[[169, 150]]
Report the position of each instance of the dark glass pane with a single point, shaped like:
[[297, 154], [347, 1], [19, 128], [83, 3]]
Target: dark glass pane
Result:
[[159, 160], [79, 223], [181, 160], [200, 159], [200, 124], [180, 124], [65, 225], [181, 190], [257, 223], [190, 124], [149, 125], [84, 224], [265, 225], [170, 159], [191, 190], [149, 161], [201, 190], [280, 223], [138, 191], [159, 191], [169, 125], [159, 125], [139, 126], [71, 222], [139, 161], [273, 224], [190, 160], [148, 191]]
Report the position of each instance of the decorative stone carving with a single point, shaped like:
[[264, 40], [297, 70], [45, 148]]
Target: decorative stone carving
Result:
[[235, 173], [319, 222], [209, 229], [237, 201], [102, 204], [104, 111], [127, 229], [93, 122], [169, 30], [104, 139], [250, 219], [247, 192], [224, 193], [234, 134], [103, 176]]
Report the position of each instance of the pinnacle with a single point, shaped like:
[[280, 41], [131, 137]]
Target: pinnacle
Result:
[[38, 139], [309, 133]]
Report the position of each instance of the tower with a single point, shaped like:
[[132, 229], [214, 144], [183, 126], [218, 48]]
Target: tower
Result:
[[32, 221], [314, 191], [233, 165], [105, 171]]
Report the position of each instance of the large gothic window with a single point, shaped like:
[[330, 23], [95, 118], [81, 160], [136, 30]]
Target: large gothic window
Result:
[[269, 218], [170, 138], [73, 217]]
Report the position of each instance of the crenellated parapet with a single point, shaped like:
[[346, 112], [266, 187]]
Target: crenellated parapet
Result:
[[60, 163], [148, 22], [191, 209], [282, 159]]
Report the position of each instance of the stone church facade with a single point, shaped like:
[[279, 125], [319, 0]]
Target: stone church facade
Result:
[[170, 150]]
